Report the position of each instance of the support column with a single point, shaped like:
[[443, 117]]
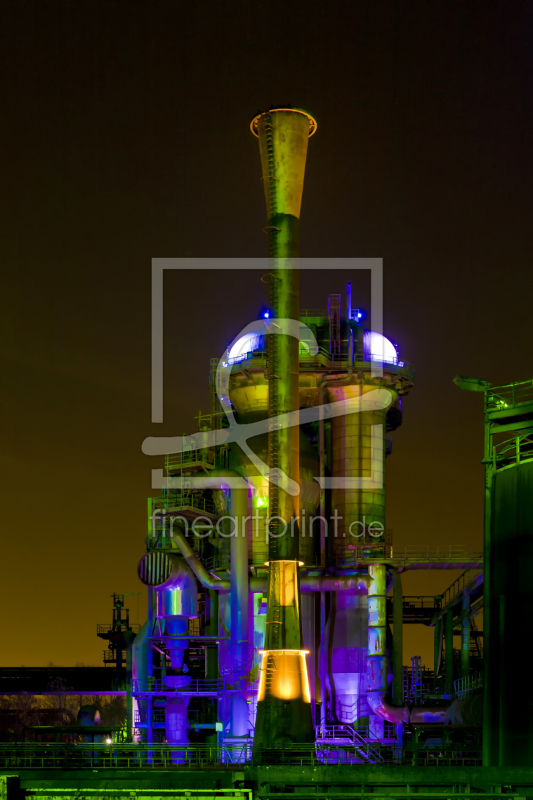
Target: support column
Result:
[[465, 638], [211, 629], [437, 647], [323, 662], [377, 627], [449, 650], [129, 636], [397, 639]]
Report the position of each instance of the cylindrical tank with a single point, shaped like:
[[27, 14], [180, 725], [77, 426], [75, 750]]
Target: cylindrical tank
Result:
[[140, 656], [358, 451], [139, 673], [176, 597], [309, 495], [347, 634], [358, 446], [176, 725], [510, 595], [89, 715]]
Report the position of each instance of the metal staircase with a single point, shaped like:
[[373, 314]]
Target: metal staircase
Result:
[[346, 734]]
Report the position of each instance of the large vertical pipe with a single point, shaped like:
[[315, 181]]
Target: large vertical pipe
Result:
[[239, 578], [322, 468], [358, 450], [323, 662], [284, 711], [239, 608], [397, 641], [349, 301], [377, 621], [377, 659]]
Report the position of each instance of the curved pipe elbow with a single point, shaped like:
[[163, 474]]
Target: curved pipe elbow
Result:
[[205, 578], [173, 581], [419, 715], [383, 709], [165, 571]]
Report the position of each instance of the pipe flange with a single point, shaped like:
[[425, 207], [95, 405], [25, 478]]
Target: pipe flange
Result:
[[312, 121]]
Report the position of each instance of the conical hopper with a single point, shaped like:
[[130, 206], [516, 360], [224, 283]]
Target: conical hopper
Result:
[[283, 136]]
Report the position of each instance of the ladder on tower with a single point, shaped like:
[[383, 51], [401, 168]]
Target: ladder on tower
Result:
[[334, 311], [406, 691]]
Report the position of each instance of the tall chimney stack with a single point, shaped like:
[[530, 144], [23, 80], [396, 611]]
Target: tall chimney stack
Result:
[[284, 709]]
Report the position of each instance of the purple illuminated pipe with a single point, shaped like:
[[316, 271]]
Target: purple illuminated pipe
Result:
[[238, 586], [176, 596], [239, 601]]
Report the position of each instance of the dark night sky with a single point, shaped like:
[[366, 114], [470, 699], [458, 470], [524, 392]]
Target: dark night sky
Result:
[[125, 136]]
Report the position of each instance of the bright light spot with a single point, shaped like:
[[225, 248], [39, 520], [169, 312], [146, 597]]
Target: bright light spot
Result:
[[261, 502], [109, 741], [247, 343], [266, 315], [378, 348]]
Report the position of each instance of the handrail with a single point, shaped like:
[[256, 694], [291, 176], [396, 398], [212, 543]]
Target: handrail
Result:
[[464, 687], [86, 755], [320, 358], [201, 456], [511, 395], [190, 686], [174, 498], [467, 577], [380, 552], [108, 627], [448, 553], [516, 449], [313, 312]]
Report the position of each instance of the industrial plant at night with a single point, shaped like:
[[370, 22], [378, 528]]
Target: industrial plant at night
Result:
[[271, 662]]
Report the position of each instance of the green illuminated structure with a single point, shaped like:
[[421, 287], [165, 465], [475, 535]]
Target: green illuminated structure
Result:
[[203, 606], [508, 550]]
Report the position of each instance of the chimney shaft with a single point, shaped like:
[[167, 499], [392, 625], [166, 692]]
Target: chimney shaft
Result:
[[284, 711]]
